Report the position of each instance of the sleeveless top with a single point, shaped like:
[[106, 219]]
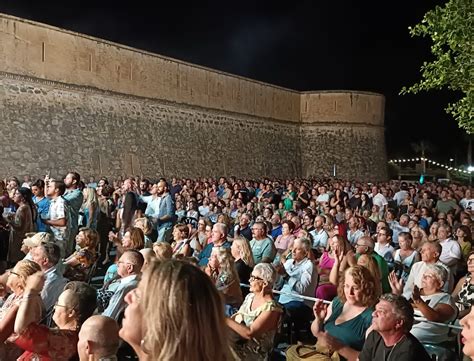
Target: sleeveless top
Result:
[[403, 267], [466, 294], [351, 332], [255, 349]]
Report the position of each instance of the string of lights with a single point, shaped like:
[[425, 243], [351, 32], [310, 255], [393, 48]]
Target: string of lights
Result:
[[441, 165]]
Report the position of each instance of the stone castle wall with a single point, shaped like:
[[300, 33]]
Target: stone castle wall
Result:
[[68, 101]]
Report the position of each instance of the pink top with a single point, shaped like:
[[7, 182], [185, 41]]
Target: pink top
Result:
[[326, 262], [283, 242]]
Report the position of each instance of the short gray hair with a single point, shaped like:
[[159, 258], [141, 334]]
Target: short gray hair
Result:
[[402, 308], [223, 228], [439, 272], [305, 243], [266, 272]]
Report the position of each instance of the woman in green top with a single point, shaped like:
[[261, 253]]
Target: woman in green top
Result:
[[341, 326], [289, 197]]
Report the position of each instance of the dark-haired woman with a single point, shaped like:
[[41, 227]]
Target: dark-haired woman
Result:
[[21, 222]]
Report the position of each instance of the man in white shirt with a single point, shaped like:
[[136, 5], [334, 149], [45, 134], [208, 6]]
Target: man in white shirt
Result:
[[379, 200], [300, 277], [430, 252], [320, 236], [451, 253], [383, 247]]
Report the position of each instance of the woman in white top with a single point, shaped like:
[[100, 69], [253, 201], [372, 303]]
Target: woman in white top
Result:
[[404, 257]]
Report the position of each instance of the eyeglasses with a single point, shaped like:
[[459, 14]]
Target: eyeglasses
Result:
[[255, 278], [58, 305], [13, 273], [123, 262], [360, 245]]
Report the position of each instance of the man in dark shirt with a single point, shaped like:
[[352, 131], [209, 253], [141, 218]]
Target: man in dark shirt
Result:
[[391, 339]]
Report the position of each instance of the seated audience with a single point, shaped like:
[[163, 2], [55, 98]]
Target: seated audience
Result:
[[163, 251], [463, 293], [180, 245], [75, 305], [218, 239], [300, 277], [133, 239], [176, 330], [432, 303], [34, 239], [390, 337], [243, 261], [79, 264], [341, 327], [405, 257], [430, 252], [16, 283], [262, 246], [111, 299], [98, 339], [257, 320], [47, 256], [222, 272]]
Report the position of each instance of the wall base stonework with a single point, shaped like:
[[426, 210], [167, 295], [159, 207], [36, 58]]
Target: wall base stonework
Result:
[[57, 128], [54, 127]]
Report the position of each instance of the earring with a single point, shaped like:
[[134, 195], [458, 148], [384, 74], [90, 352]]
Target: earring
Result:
[[143, 346]]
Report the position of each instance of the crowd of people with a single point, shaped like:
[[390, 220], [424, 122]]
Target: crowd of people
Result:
[[210, 269]]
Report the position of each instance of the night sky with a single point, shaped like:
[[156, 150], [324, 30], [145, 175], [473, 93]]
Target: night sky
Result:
[[302, 45]]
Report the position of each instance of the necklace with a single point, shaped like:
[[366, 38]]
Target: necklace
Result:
[[393, 348]]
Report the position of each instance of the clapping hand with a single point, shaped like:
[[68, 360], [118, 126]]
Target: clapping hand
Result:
[[416, 294], [395, 283], [320, 310]]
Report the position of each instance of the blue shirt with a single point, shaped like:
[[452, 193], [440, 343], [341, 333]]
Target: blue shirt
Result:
[[206, 252], [276, 232], [43, 210]]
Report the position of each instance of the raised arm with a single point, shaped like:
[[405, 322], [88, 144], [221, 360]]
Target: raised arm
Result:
[[31, 306]]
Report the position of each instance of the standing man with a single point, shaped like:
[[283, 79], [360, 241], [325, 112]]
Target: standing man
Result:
[[74, 197], [58, 214], [42, 204], [379, 200], [166, 212], [391, 338]]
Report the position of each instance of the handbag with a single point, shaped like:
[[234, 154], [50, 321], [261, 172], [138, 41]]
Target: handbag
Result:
[[310, 353]]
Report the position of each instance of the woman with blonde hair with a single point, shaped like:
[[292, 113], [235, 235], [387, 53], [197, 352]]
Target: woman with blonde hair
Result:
[[90, 208], [244, 263], [222, 271], [163, 251], [145, 225], [16, 282], [192, 329], [433, 236]]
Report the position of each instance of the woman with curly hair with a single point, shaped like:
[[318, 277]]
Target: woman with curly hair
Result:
[[341, 326]]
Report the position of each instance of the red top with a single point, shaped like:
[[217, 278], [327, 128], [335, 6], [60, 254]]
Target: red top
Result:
[[46, 344]]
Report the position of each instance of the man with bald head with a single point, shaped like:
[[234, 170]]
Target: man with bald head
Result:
[[98, 339]]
